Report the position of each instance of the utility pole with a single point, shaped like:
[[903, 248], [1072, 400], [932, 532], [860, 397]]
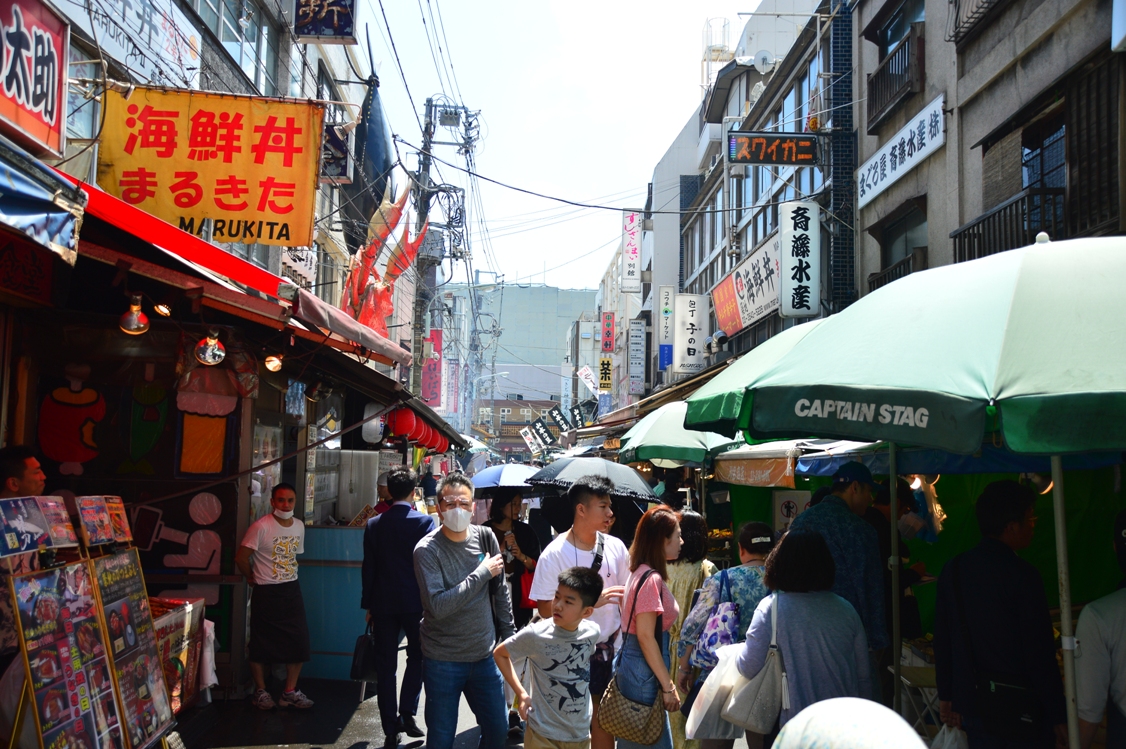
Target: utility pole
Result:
[[424, 269]]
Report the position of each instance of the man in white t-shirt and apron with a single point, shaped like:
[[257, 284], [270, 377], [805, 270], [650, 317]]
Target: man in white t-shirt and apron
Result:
[[278, 630], [588, 544]]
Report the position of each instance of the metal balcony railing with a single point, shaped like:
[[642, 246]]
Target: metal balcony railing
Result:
[[969, 17], [914, 262], [1014, 223], [899, 75]]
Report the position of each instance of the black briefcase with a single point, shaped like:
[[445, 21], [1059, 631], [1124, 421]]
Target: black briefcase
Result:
[[364, 657]]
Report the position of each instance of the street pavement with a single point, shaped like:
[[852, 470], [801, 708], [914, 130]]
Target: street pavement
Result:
[[338, 720]]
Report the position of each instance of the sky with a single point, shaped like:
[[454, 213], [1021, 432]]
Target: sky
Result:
[[578, 100]]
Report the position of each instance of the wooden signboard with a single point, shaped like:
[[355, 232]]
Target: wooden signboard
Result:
[[131, 641], [65, 654]]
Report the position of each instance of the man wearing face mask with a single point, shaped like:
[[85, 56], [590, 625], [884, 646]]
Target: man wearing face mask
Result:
[[278, 631], [467, 610]]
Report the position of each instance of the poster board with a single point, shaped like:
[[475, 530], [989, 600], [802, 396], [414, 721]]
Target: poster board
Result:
[[64, 649], [131, 645], [122, 532], [787, 506]]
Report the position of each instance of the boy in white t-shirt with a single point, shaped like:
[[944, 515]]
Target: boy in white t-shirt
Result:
[[558, 652], [278, 630], [588, 544]]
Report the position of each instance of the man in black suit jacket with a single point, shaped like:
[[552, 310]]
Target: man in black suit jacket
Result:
[[391, 598]]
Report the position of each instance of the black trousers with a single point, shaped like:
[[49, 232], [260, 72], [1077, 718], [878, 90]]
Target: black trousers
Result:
[[387, 628]]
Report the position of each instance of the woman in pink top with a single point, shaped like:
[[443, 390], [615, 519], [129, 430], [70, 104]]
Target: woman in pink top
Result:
[[643, 663]]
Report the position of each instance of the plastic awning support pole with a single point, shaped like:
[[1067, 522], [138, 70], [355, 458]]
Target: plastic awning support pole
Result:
[[896, 646], [1067, 630]]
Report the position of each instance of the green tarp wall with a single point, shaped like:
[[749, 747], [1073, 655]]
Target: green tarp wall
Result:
[[1091, 502]]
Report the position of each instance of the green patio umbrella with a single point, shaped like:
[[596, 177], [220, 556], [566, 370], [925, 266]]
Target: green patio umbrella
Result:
[[661, 435], [1029, 345], [718, 405]]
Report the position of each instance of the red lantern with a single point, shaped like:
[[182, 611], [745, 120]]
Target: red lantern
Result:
[[443, 444], [431, 437], [418, 431], [402, 421]]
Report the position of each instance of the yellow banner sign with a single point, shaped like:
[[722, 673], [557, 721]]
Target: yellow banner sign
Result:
[[606, 374], [249, 164]]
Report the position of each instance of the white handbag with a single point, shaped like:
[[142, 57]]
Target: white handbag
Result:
[[755, 703]]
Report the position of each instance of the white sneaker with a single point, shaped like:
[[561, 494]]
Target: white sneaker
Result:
[[296, 699]]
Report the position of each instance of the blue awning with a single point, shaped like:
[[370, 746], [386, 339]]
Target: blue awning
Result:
[[989, 459], [37, 203]]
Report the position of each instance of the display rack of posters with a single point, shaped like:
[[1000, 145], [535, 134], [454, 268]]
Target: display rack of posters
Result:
[[65, 651], [95, 524], [58, 521], [131, 639]]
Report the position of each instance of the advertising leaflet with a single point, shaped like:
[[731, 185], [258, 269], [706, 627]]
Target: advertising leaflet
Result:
[[65, 648], [131, 640], [179, 638], [33, 523], [122, 533], [95, 524]]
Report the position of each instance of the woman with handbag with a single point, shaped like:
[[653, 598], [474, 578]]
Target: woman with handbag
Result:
[[686, 575], [823, 647], [649, 609], [710, 625]]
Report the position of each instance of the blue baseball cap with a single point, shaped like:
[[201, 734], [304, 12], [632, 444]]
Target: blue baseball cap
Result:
[[854, 471]]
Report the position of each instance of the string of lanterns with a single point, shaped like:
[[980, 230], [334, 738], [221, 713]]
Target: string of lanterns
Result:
[[404, 422]]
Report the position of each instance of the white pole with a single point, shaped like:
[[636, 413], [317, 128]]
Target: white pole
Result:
[[1067, 632], [896, 645]]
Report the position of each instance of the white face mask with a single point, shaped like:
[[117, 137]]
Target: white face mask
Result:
[[456, 519], [283, 515]]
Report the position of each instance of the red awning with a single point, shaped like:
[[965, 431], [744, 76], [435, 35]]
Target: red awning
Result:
[[195, 251]]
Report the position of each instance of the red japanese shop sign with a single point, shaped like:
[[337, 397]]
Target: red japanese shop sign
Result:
[[33, 76], [249, 164]]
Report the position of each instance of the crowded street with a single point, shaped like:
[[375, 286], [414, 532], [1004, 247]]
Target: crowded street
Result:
[[486, 375]]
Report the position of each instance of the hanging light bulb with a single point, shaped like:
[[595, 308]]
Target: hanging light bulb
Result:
[[274, 362], [916, 484], [134, 322], [209, 350], [164, 309]]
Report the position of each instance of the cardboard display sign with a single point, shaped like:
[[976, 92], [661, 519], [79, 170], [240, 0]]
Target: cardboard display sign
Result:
[[179, 638], [122, 533], [132, 648], [65, 649]]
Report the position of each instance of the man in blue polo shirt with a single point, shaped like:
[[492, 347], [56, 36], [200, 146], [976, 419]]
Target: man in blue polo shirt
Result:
[[854, 545]]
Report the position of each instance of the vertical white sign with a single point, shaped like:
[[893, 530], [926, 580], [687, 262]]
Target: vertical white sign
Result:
[[690, 323], [631, 251], [636, 357], [799, 233], [586, 377], [530, 439], [663, 316]]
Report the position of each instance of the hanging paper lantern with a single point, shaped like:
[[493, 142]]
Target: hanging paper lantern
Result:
[[402, 421], [443, 444], [428, 438], [418, 431]]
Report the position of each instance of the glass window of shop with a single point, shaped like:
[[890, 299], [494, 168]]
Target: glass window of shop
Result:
[[248, 36], [82, 112], [322, 466]]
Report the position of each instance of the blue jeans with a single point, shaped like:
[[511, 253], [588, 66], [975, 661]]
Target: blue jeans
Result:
[[638, 682], [481, 682]]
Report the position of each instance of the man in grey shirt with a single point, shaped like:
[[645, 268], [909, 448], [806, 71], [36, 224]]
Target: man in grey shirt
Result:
[[466, 611]]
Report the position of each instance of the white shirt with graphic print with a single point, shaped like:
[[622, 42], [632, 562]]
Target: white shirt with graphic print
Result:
[[275, 549]]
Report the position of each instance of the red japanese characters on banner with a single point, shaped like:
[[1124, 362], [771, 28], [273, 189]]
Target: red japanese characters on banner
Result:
[[432, 371], [607, 331], [248, 164], [34, 75], [726, 306]]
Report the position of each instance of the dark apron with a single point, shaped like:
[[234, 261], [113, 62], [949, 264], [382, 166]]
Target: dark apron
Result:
[[1115, 727]]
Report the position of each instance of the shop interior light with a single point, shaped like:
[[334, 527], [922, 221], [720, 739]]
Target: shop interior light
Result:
[[916, 483], [274, 362], [210, 350], [1039, 482], [134, 322], [163, 309], [918, 479]]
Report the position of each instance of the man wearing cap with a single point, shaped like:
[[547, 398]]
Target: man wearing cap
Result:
[[854, 545]]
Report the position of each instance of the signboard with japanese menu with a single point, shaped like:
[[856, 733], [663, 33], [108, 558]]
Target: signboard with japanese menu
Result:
[[131, 644], [249, 164], [799, 233], [631, 251], [36, 54], [750, 293], [774, 149], [690, 323], [606, 374], [607, 331], [65, 648]]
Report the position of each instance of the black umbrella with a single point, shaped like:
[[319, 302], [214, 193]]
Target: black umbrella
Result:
[[630, 492]]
